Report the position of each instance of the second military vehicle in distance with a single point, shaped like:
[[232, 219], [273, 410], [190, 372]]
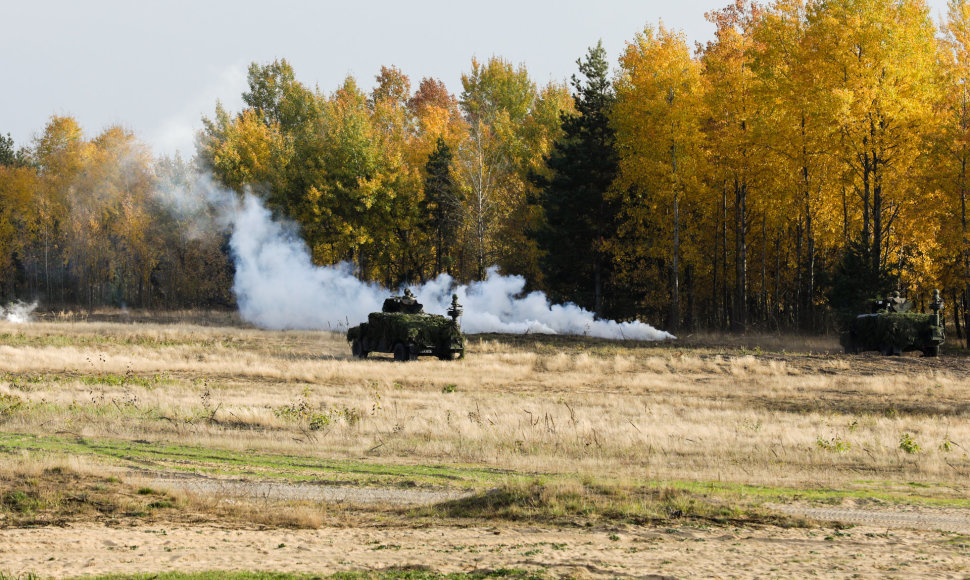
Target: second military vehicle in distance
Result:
[[892, 329], [405, 329]]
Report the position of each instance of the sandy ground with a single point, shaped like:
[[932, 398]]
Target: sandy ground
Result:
[[879, 542], [626, 551]]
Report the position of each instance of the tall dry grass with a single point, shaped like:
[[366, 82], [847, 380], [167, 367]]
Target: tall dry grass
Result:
[[631, 411]]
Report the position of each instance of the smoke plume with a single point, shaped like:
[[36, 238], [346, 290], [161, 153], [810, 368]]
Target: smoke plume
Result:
[[18, 312], [277, 286]]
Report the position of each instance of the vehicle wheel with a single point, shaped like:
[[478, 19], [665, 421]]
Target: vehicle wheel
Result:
[[931, 351], [357, 348], [401, 352], [447, 355], [850, 347]]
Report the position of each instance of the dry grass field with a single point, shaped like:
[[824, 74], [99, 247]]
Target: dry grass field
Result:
[[577, 432]]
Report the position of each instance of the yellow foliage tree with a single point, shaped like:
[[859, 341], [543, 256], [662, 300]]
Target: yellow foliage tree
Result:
[[876, 67], [657, 118]]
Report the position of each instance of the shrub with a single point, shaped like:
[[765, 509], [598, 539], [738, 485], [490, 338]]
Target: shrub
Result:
[[908, 444]]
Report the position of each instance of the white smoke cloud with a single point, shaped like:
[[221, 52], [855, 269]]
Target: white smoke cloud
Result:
[[277, 286], [18, 312], [176, 132]]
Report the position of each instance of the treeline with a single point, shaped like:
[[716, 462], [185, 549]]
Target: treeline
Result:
[[404, 183], [87, 223], [813, 154]]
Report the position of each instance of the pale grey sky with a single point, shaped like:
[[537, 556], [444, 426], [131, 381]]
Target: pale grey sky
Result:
[[156, 67]]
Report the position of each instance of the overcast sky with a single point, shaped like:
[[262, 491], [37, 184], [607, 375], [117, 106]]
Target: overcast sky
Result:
[[156, 67]]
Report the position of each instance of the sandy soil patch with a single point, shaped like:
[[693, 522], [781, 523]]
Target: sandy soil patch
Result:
[[868, 552]]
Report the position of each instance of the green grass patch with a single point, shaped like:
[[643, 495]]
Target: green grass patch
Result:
[[125, 380], [559, 501], [901, 493], [56, 496], [512, 496], [10, 404], [28, 382], [250, 463], [24, 576]]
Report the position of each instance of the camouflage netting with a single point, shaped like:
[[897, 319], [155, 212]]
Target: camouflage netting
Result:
[[899, 331], [421, 333], [420, 329]]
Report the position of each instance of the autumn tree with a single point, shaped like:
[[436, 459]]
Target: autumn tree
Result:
[[404, 240], [876, 65], [19, 228], [954, 148], [265, 147], [804, 221], [61, 154], [193, 268], [732, 148], [511, 126], [279, 99], [657, 121]]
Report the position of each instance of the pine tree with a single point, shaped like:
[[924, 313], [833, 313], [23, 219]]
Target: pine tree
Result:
[[442, 207], [578, 216]]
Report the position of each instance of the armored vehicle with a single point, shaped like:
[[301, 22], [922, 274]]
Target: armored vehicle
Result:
[[403, 328], [891, 328]]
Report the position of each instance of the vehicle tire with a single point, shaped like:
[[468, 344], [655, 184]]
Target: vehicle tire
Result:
[[931, 351], [401, 352], [447, 355], [850, 346], [357, 348]]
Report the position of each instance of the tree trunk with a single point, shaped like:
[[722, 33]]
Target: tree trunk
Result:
[[691, 313], [597, 286], [674, 322], [725, 299], [799, 272], [776, 308], [877, 233], [866, 189], [966, 313], [764, 269], [809, 323], [740, 320], [674, 314], [845, 218], [715, 318], [966, 242], [956, 313]]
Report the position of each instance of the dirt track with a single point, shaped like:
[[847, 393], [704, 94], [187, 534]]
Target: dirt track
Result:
[[944, 519], [282, 491], [954, 520]]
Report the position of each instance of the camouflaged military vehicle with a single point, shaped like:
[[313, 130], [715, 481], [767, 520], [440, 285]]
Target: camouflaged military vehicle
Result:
[[892, 329], [403, 328]]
